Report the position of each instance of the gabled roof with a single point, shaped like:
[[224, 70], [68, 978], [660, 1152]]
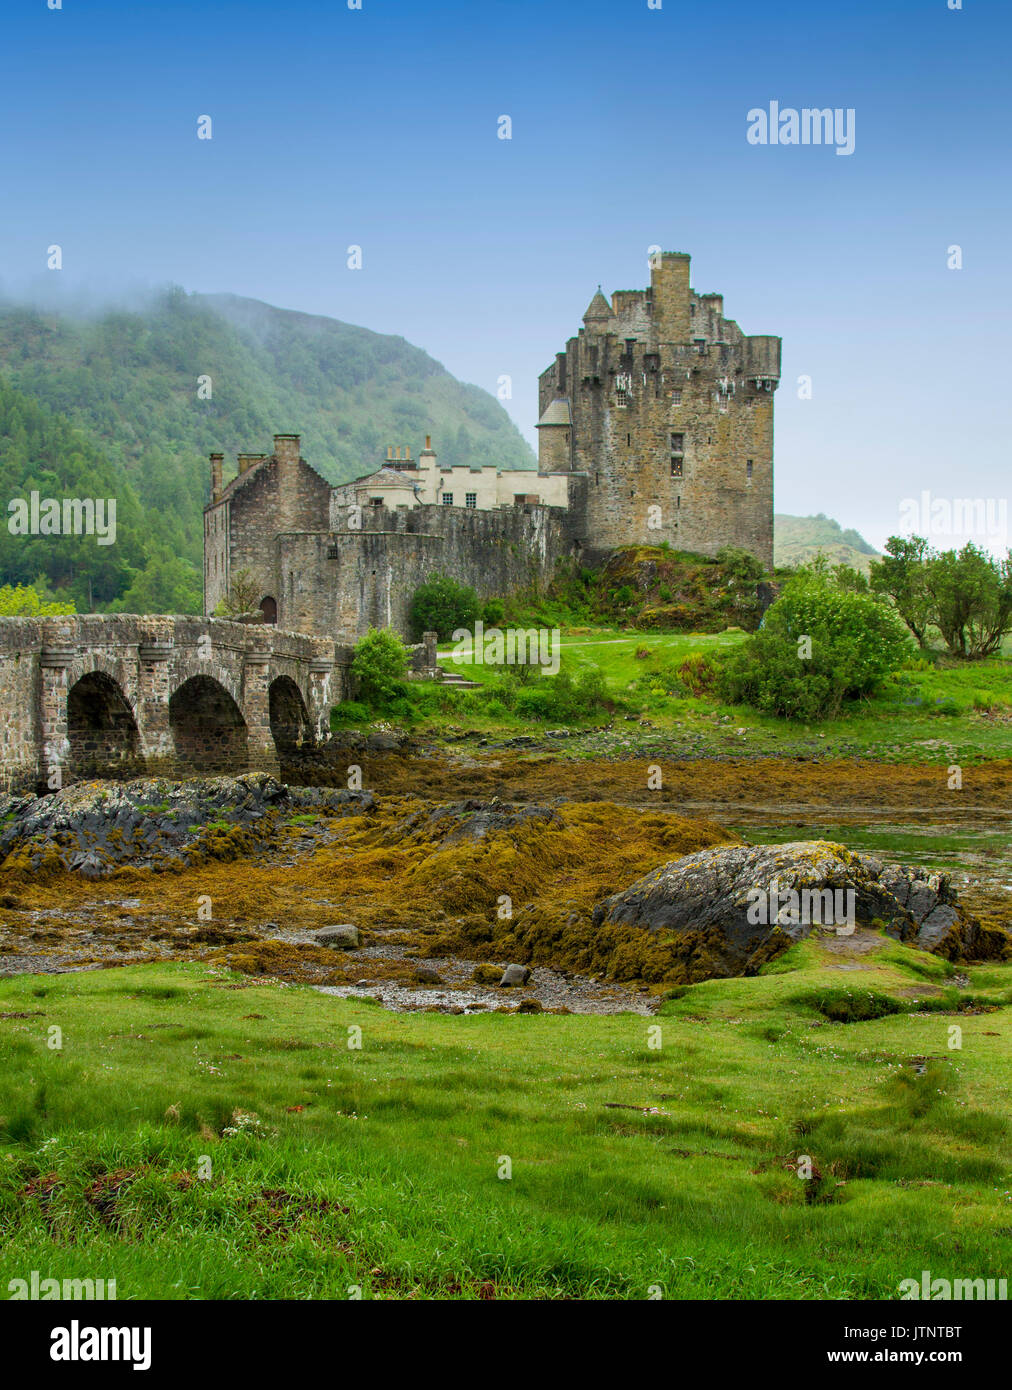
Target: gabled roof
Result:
[[386, 477]]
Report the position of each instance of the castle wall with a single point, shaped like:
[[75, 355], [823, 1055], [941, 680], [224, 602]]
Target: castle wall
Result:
[[348, 580]]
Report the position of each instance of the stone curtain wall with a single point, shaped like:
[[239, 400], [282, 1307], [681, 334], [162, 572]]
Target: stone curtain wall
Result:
[[170, 694], [349, 580]]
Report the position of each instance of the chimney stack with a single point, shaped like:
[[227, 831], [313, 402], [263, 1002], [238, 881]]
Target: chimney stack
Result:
[[246, 461], [287, 448], [216, 464]]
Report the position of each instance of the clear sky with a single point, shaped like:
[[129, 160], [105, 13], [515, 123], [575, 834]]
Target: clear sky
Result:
[[379, 127]]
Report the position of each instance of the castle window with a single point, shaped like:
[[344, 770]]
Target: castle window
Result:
[[376, 501], [676, 398], [748, 469], [678, 443], [471, 498], [447, 499], [676, 465]]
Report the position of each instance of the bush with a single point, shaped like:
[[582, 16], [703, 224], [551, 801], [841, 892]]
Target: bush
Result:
[[348, 712], [493, 613], [820, 644], [379, 666], [442, 605]]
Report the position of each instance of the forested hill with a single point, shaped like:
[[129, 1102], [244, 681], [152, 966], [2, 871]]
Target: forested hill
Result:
[[110, 405], [800, 538]]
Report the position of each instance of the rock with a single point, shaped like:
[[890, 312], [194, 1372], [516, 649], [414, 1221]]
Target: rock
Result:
[[720, 925], [514, 975], [425, 975], [94, 827], [340, 938], [531, 1006]]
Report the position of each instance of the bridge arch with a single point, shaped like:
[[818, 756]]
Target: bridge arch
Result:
[[209, 733], [291, 728], [102, 735]]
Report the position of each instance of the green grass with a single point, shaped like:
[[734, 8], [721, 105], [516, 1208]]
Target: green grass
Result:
[[926, 713], [388, 1176]]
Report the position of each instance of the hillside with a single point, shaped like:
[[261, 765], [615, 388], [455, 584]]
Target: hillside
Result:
[[124, 383], [799, 538]]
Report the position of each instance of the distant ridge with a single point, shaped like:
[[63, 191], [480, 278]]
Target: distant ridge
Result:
[[800, 538]]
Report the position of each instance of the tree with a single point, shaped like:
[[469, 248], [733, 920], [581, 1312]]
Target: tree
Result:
[[166, 584], [971, 598], [379, 667], [901, 574], [243, 596], [24, 601], [821, 643], [441, 605]]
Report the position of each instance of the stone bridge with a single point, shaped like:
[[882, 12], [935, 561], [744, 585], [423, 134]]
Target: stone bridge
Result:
[[121, 696]]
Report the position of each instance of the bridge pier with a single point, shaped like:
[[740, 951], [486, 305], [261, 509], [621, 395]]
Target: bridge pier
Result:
[[152, 712], [54, 741], [256, 683]]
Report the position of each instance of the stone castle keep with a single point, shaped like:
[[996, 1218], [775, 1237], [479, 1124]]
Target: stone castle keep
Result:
[[656, 425]]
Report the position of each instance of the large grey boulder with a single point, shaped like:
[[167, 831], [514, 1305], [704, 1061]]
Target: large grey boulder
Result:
[[731, 909], [514, 975], [344, 937]]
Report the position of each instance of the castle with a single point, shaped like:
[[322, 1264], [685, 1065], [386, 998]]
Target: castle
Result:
[[656, 425]]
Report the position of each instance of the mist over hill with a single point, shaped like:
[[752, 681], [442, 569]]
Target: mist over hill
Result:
[[800, 538], [120, 390]]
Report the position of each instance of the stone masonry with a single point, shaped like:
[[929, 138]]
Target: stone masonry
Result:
[[99, 695]]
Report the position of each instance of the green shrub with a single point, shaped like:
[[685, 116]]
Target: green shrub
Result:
[[442, 605], [819, 645], [493, 613], [348, 712], [379, 666]]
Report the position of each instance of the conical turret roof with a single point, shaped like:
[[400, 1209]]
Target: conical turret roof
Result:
[[598, 309]]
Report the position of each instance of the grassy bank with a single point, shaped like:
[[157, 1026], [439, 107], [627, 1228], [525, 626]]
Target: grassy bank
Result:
[[632, 1166], [943, 713]]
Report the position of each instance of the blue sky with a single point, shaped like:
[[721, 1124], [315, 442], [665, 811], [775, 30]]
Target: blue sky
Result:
[[378, 127]]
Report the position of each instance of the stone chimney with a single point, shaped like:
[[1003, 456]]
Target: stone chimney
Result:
[[246, 461], [216, 465], [427, 458], [286, 452], [287, 448]]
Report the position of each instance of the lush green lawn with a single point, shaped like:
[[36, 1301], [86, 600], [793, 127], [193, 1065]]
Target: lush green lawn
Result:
[[948, 713], [101, 1142]]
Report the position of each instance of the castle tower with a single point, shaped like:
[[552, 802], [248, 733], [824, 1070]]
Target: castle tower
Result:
[[666, 409]]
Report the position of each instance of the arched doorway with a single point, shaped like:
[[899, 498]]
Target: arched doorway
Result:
[[269, 609], [208, 731], [290, 727], [101, 730]]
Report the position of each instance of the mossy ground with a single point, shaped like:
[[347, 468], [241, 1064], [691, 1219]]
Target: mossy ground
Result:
[[637, 1158]]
